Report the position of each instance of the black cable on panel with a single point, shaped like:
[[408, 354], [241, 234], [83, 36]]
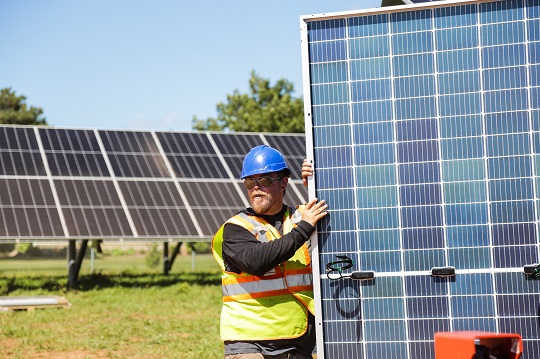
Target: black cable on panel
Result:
[[342, 263]]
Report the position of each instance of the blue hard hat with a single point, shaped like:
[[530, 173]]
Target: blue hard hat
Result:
[[263, 159]]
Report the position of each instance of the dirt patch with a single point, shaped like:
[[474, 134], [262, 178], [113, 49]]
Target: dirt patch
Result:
[[8, 347]]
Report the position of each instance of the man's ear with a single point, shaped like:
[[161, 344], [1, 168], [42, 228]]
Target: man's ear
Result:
[[285, 182]]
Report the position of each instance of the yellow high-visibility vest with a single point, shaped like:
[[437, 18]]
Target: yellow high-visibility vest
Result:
[[273, 305]]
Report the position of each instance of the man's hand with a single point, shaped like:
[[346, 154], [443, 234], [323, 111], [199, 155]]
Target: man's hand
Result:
[[307, 170], [314, 211]]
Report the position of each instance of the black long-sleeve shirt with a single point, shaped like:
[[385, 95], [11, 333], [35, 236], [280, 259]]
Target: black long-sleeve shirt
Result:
[[242, 252]]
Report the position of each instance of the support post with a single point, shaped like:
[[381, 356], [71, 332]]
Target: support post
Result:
[[80, 256], [75, 261], [72, 251], [168, 262], [193, 255], [165, 258]]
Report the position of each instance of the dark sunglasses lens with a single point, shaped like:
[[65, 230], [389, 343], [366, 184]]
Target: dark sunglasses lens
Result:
[[264, 181], [249, 183]]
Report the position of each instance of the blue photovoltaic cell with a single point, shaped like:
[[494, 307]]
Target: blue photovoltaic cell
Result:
[[426, 143]]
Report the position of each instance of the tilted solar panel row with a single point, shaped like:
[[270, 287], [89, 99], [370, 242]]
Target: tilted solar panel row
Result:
[[61, 183]]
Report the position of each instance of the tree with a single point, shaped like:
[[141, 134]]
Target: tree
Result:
[[265, 108], [14, 111]]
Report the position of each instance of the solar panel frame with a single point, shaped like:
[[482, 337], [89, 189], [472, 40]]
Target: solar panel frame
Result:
[[404, 196]]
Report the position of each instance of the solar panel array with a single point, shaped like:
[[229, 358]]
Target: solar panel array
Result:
[[59, 183], [424, 126]]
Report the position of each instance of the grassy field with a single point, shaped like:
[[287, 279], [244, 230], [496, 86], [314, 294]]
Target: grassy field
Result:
[[124, 311]]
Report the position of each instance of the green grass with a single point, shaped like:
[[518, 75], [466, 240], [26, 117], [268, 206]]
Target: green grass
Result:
[[129, 314]]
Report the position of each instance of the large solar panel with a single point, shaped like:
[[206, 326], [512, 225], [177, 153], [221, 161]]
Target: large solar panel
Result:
[[61, 183], [423, 122]]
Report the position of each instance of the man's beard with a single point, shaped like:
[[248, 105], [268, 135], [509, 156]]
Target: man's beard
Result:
[[261, 202]]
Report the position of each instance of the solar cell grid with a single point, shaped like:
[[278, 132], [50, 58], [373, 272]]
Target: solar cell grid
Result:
[[16, 221], [13, 163], [192, 155], [19, 152], [77, 164], [68, 140], [150, 194], [424, 137], [12, 138], [236, 144], [289, 145], [92, 223], [25, 192], [197, 166], [128, 141], [138, 165], [72, 152], [91, 208], [24, 201], [185, 143], [212, 194], [157, 209], [134, 154], [235, 164], [163, 222], [100, 193]]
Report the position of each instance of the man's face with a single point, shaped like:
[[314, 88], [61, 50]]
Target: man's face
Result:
[[267, 200]]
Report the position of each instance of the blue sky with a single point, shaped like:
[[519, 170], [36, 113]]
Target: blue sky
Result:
[[149, 65]]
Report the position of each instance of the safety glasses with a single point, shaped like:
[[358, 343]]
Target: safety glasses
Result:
[[263, 181]]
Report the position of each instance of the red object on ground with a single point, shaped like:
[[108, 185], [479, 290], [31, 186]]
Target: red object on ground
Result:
[[477, 345]]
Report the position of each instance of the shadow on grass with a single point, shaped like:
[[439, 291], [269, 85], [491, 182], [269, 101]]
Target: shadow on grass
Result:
[[101, 281], [127, 280]]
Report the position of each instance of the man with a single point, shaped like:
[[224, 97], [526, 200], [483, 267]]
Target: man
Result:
[[266, 281]]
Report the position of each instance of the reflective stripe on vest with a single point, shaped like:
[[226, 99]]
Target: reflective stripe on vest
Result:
[[254, 289], [299, 282]]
